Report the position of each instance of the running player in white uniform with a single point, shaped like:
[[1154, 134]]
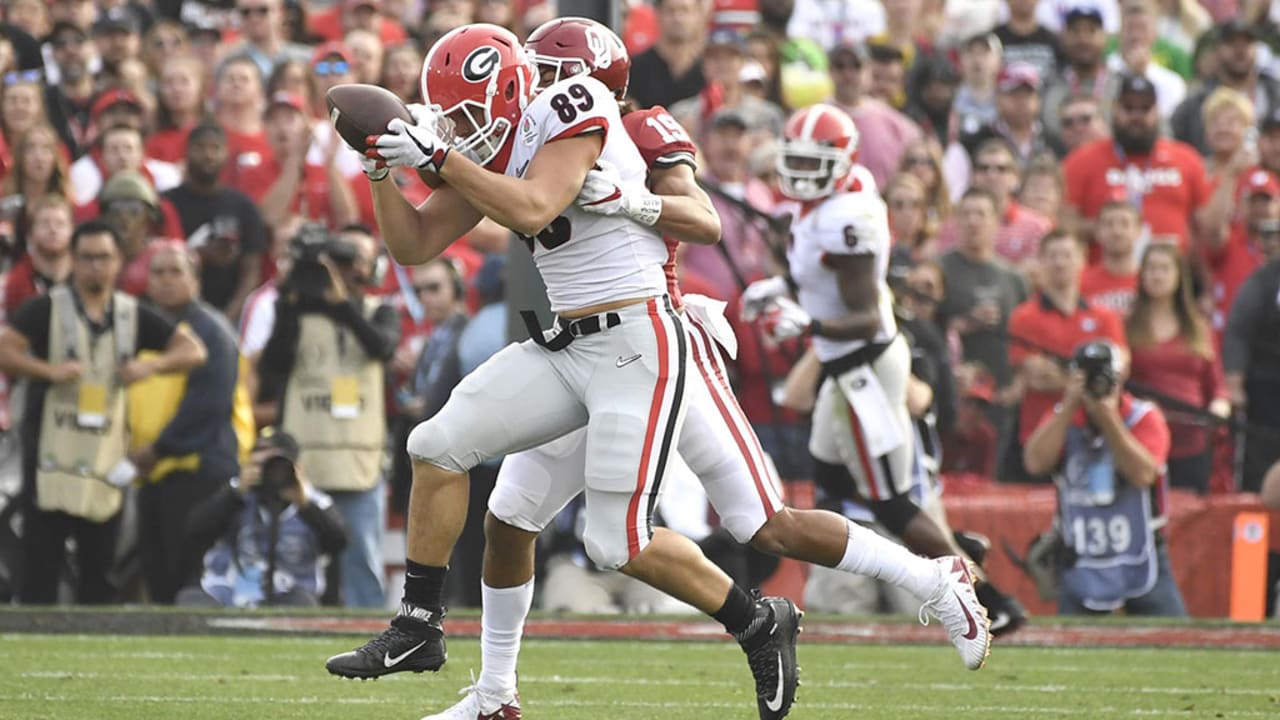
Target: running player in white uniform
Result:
[[616, 363], [838, 257]]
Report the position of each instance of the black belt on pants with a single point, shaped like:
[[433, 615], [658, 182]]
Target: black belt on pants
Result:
[[864, 355], [569, 329]]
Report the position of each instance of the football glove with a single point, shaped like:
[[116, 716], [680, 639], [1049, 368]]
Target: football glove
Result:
[[784, 319], [405, 145], [375, 169], [602, 194], [760, 294]]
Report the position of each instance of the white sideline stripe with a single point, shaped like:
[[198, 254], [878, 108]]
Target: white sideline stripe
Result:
[[59, 675], [1021, 710]]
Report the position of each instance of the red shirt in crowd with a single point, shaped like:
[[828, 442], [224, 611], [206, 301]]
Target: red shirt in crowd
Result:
[[1172, 176], [1102, 288], [327, 25], [312, 200], [970, 448], [169, 145], [1055, 333], [1229, 266], [245, 152], [21, 284], [1173, 368]]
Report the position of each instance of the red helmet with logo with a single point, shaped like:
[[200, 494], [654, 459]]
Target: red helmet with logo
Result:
[[579, 46], [819, 144], [480, 78]]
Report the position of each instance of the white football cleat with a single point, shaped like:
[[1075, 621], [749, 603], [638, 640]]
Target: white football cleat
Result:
[[478, 706], [956, 605]]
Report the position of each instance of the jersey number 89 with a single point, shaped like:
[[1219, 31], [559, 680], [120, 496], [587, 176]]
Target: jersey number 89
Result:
[[565, 107]]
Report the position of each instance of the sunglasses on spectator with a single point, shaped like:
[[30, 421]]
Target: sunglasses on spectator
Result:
[[250, 10], [23, 76], [326, 68], [430, 287], [991, 167], [1073, 120]]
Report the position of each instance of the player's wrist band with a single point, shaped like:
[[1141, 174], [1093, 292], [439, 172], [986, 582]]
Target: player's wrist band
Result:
[[645, 209]]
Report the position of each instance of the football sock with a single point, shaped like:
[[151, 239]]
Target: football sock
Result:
[[869, 553], [501, 627], [424, 585], [737, 611]]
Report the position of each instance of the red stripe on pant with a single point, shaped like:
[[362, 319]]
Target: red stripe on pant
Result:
[[758, 474], [864, 457], [655, 418]]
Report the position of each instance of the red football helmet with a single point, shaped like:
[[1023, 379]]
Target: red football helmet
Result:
[[578, 46], [480, 78], [819, 144]]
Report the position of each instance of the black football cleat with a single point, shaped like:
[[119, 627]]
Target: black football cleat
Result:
[[413, 643], [770, 644], [1006, 613]]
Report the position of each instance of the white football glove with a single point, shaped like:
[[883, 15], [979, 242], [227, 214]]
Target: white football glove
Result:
[[760, 294], [784, 319], [405, 145], [375, 169], [602, 194]]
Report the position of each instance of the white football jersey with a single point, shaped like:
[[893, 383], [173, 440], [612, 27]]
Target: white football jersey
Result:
[[847, 223], [587, 259]]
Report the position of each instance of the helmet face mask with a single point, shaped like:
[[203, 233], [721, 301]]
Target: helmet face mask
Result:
[[817, 153]]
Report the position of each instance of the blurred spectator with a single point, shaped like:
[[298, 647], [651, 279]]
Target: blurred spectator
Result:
[[21, 104], [912, 231], [1269, 142], [1024, 39], [722, 63], [179, 106], [981, 289], [401, 67], [884, 130], [970, 447], [831, 22], [671, 70], [347, 15], [1173, 355], [39, 170], [1251, 360], [931, 94], [325, 357], [996, 170], [165, 41], [331, 65], [1228, 124], [1232, 256], [796, 62], [47, 261], [131, 206], [923, 160], [206, 46], [294, 76], [486, 332], [1112, 282], [182, 439], [1046, 329], [1107, 450], [270, 531], [239, 104], [77, 345], [1237, 68], [498, 12], [68, 101], [262, 33], [1083, 44], [118, 146], [437, 369], [1138, 52], [725, 146], [975, 101], [366, 56], [220, 223], [20, 25], [1080, 120], [888, 77], [1182, 22], [117, 36], [1164, 177], [1042, 189]]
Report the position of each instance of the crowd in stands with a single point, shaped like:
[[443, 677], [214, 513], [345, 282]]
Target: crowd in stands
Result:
[[195, 135]]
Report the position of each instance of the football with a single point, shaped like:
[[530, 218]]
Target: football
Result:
[[358, 111]]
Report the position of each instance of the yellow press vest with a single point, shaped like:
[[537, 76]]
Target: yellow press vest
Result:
[[82, 432], [334, 406]]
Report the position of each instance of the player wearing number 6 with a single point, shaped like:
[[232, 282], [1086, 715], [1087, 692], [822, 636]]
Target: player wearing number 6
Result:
[[1108, 451]]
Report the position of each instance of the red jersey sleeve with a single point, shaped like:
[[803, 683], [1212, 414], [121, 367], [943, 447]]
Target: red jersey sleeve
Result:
[[1153, 432], [1198, 181], [661, 140], [1111, 327]]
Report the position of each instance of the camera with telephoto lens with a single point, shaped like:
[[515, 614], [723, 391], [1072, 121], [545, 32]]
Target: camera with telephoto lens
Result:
[[1100, 363], [312, 242], [278, 474]]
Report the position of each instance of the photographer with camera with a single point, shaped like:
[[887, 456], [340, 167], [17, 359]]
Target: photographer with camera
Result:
[[326, 354], [269, 530], [1107, 450]]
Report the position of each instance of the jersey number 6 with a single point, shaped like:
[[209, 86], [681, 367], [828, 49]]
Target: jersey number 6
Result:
[[552, 236], [565, 107]]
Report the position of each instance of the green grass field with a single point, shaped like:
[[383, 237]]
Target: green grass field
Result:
[[108, 677]]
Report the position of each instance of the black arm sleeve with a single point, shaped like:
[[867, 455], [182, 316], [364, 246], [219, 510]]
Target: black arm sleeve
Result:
[[327, 525], [211, 519], [378, 336]]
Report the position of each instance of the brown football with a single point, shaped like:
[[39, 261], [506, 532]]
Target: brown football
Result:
[[358, 111]]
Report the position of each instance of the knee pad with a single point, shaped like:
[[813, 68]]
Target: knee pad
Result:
[[430, 442], [895, 513], [607, 550]]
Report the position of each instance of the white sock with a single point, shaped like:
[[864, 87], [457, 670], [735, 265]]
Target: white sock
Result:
[[869, 553], [501, 627]]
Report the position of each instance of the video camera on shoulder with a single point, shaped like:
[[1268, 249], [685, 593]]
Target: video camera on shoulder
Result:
[[1100, 362], [312, 242]]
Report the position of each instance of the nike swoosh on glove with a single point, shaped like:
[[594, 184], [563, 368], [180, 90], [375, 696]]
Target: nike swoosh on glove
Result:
[[784, 319], [760, 294], [405, 145], [602, 194]]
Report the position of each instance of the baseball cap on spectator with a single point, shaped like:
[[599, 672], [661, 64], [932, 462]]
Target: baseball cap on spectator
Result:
[[110, 98], [329, 50], [128, 185], [986, 38], [743, 14], [278, 443], [728, 117], [117, 19], [1087, 9], [1235, 28], [1016, 75], [727, 36], [981, 389], [1135, 85], [285, 98], [846, 50], [1262, 182]]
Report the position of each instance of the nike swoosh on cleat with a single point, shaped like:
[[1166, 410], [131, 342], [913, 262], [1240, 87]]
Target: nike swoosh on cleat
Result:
[[1000, 620], [973, 626], [775, 703], [389, 661], [623, 362]]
